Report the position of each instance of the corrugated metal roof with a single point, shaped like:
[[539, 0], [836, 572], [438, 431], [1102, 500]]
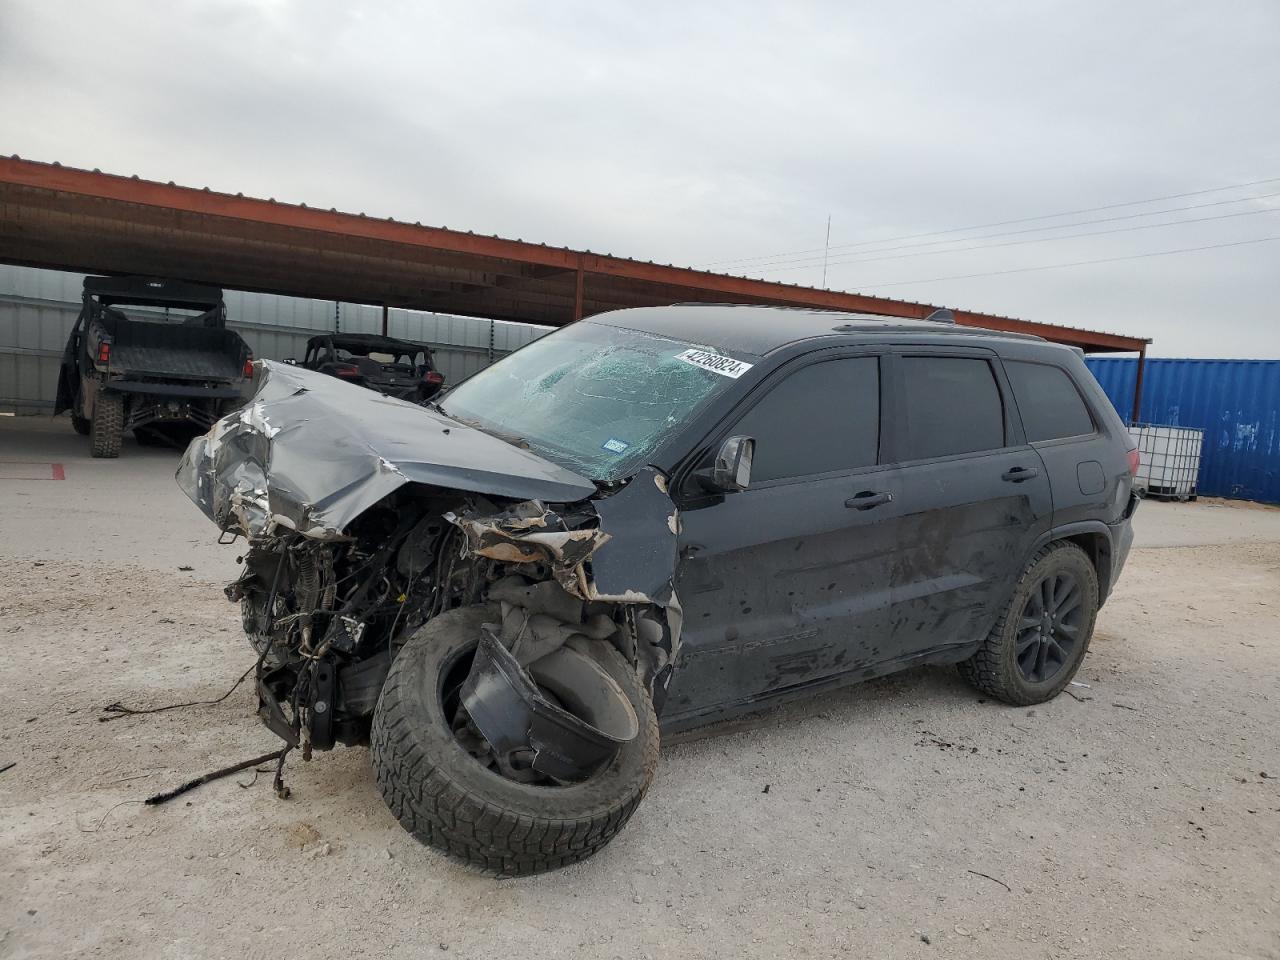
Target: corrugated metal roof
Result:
[[69, 219]]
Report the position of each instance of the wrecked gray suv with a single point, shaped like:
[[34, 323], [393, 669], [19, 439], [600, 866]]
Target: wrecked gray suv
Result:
[[680, 513]]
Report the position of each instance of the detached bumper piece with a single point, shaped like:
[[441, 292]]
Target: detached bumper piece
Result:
[[511, 706]]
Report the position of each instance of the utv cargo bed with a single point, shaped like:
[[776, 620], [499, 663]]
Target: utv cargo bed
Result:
[[179, 351]]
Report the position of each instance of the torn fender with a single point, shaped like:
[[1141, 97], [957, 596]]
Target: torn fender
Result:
[[311, 453], [621, 548], [638, 561], [625, 553]]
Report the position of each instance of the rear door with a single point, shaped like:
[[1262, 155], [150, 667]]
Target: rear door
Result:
[[786, 582], [974, 498], [1084, 469]]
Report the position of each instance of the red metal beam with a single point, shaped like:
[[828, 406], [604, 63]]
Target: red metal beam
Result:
[[328, 231], [578, 288]]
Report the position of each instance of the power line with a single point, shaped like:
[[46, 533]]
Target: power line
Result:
[[809, 261], [1078, 263], [1015, 243], [1002, 223]]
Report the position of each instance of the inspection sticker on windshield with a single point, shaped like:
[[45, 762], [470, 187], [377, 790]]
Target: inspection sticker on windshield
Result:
[[725, 366], [614, 445]]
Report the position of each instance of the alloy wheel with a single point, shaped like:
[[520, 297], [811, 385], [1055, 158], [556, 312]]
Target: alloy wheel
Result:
[[1050, 627]]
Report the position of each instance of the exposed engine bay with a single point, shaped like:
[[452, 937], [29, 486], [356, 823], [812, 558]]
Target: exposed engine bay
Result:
[[362, 528], [327, 617]]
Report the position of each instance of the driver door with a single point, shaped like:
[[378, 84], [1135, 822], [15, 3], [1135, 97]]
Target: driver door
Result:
[[785, 583]]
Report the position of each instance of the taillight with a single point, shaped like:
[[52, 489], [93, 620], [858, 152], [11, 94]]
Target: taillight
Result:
[[1134, 461], [248, 368], [348, 371], [104, 351], [433, 377]]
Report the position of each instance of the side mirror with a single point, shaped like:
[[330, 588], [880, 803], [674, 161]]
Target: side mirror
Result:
[[731, 469]]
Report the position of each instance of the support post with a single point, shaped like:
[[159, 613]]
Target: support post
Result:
[[384, 319], [577, 293], [1137, 387]]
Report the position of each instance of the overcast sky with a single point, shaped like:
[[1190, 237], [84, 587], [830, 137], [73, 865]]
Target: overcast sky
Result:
[[704, 133]]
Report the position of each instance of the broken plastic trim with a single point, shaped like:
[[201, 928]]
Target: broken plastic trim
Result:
[[531, 532], [514, 716]]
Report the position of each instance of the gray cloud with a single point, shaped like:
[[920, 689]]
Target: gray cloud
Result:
[[697, 133]]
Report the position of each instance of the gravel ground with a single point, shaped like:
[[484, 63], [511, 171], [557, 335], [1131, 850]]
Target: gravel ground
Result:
[[1140, 820], [903, 818]]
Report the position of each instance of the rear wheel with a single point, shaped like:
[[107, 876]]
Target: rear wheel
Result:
[[1037, 645], [108, 425], [79, 424], [446, 789]]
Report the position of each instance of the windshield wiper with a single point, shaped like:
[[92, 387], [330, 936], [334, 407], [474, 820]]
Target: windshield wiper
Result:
[[512, 439]]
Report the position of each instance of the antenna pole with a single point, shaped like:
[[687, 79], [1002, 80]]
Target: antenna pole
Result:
[[825, 248]]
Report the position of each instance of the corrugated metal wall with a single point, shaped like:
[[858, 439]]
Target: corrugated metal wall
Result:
[[1235, 402], [38, 308]]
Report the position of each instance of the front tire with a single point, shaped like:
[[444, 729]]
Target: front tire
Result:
[[449, 800], [108, 425], [1036, 646], [79, 424]]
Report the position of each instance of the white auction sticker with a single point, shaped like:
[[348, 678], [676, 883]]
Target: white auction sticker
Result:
[[716, 363]]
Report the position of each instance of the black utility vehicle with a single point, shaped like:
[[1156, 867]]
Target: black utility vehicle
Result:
[[175, 371], [395, 368], [657, 517]]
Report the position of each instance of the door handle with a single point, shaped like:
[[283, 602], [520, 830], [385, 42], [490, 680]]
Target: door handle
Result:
[[1018, 474], [868, 499]]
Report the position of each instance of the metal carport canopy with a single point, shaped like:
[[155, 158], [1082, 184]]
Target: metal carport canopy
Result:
[[65, 218]]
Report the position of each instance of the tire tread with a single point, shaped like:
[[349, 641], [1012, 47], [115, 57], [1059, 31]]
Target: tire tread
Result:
[[989, 669], [107, 426], [495, 840]]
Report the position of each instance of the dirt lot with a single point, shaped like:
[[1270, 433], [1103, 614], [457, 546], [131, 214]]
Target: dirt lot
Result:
[[1140, 818]]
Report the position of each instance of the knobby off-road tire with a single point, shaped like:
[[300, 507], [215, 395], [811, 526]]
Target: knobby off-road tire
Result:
[[79, 424], [108, 425], [995, 670], [449, 800]]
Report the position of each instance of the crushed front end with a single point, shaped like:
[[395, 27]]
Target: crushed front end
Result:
[[368, 518]]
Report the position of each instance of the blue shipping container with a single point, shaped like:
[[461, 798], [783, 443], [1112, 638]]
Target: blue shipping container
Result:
[[1235, 402]]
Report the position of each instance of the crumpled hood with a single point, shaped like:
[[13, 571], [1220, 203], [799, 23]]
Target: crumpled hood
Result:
[[311, 453]]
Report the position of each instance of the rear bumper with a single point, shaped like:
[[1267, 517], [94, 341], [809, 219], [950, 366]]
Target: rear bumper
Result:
[[172, 389], [1121, 542], [412, 393]]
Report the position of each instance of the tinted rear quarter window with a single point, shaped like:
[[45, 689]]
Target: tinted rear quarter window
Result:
[[1048, 400], [951, 405], [823, 418]]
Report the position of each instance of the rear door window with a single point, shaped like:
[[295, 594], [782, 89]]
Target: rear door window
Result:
[[951, 405], [1048, 400], [823, 418]]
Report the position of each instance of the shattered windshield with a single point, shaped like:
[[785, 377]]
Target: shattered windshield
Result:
[[596, 399]]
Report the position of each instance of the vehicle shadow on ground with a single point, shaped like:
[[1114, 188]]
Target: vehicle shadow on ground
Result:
[[857, 702], [53, 438], [929, 688]]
